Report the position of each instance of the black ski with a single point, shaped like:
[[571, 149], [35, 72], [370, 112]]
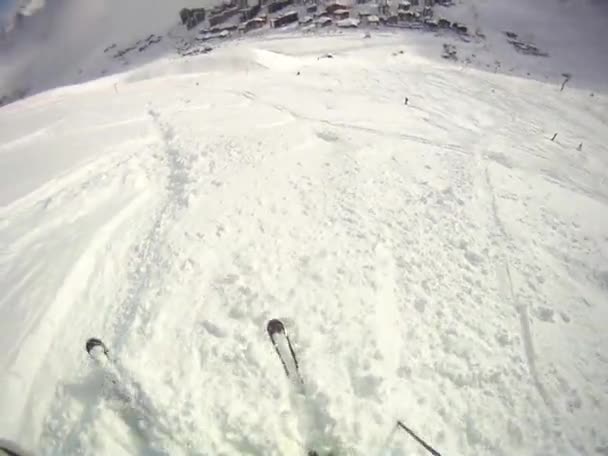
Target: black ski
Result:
[[126, 397], [281, 342], [286, 353], [94, 343], [100, 354]]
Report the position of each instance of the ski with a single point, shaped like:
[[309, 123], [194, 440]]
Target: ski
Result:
[[284, 349], [94, 343], [125, 396], [117, 387], [287, 355]]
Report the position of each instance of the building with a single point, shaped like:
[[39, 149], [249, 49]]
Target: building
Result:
[[324, 21], [249, 12], [333, 7], [348, 23], [443, 23], [278, 5], [254, 24], [392, 20], [311, 9], [229, 28], [407, 16], [223, 16], [460, 28], [341, 14], [383, 7], [285, 19], [218, 9], [192, 17], [431, 23], [404, 6], [373, 20]]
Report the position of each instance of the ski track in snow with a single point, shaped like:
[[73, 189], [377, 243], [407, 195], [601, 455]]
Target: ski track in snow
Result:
[[442, 263]]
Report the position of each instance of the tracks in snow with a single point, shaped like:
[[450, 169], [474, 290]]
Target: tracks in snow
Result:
[[127, 318], [147, 264], [505, 283]]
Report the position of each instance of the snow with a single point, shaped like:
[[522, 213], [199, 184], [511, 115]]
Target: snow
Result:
[[573, 33], [442, 262]]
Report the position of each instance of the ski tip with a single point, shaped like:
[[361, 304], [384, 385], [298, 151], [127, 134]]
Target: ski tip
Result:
[[93, 343], [275, 326]]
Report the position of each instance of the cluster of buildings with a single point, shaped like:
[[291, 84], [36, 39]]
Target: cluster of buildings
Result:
[[241, 16]]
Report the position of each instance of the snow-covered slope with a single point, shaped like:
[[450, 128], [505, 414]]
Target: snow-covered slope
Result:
[[573, 33], [441, 262], [64, 41]]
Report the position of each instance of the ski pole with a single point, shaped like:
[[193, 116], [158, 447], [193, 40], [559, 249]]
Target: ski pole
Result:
[[426, 446]]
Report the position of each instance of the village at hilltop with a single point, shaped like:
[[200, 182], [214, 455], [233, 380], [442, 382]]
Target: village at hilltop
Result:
[[241, 16]]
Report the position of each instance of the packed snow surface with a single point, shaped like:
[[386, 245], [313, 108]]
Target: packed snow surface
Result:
[[444, 262]]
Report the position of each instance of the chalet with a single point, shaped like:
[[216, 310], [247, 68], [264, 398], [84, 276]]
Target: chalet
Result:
[[333, 7], [249, 13], [254, 24], [324, 21], [348, 23], [407, 16], [460, 28], [278, 5], [219, 9], [341, 14], [443, 23], [228, 28], [285, 19], [192, 17], [383, 8], [392, 20], [223, 17]]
